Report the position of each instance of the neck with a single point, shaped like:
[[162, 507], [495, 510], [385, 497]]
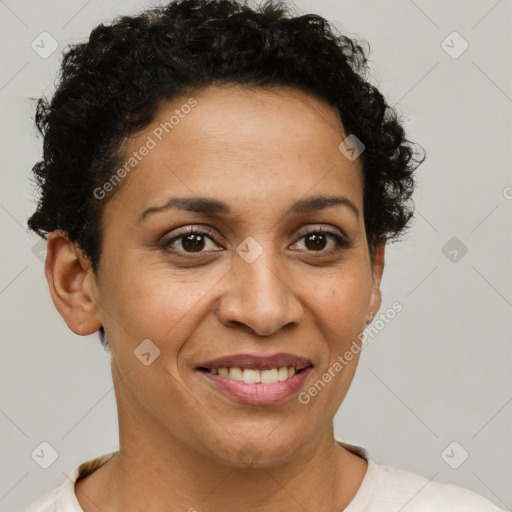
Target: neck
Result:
[[321, 476]]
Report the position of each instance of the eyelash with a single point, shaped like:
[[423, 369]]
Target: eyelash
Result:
[[341, 241]]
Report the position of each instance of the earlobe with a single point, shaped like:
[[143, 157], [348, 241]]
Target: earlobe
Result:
[[68, 274], [377, 270]]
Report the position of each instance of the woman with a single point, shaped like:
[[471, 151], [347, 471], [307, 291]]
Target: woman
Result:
[[218, 186]]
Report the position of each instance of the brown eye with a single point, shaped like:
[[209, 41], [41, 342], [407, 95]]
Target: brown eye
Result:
[[191, 242], [316, 241], [323, 241]]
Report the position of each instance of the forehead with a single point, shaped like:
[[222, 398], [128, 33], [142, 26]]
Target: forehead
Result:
[[243, 144], [277, 123]]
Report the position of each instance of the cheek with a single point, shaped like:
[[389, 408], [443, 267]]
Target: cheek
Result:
[[340, 301], [153, 302], [339, 304]]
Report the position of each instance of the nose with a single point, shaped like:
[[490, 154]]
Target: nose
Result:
[[259, 296]]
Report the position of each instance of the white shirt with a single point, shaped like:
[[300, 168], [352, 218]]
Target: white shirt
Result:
[[383, 489]]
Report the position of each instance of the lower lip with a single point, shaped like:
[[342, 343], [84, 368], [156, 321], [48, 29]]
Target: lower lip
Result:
[[258, 393]]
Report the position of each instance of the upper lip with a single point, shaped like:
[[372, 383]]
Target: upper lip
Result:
[[258, 362]]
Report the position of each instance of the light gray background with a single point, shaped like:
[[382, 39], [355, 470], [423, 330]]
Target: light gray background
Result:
[[439, 372]]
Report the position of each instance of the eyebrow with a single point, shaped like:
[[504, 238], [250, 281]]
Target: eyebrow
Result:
[[210, 206]]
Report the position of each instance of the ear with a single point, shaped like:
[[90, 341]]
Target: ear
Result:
[[377, 270], [72, 284]]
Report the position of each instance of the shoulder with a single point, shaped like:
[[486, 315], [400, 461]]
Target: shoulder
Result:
[[46, 503], [63, 498], [415, 493]]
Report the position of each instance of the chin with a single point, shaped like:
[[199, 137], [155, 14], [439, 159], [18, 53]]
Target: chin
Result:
[[258, 450]]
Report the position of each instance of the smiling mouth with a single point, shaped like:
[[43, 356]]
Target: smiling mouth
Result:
[[253, 376], [257, 387]]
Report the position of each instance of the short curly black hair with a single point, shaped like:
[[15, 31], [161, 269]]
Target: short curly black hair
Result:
[[111, 86]]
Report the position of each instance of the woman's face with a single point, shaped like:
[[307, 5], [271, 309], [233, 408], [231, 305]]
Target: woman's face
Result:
[[259, 279]]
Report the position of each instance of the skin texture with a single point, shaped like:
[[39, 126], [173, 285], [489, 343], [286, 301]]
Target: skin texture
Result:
[[180, 438]]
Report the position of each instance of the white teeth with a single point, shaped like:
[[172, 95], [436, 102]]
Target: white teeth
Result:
[[236, 373], [282, 373], [269, 376], [250, 376]]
